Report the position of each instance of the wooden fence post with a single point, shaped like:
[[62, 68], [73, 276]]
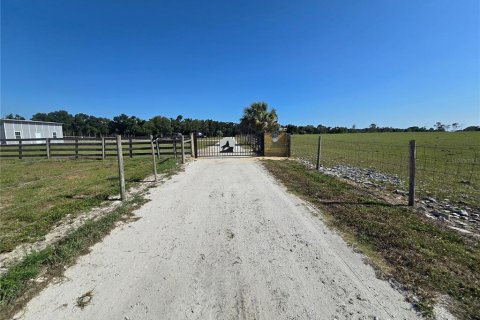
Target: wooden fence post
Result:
[[192, 151], [47, 141], [103, 148], [121, 174], [158, 148], [175, 147], [319, 150], [412, 169], [130, 151], [153, 157], [289, 145], [76, 148], [20, 156], [183, 149]]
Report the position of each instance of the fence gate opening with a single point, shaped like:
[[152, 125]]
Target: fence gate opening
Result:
[[239, 145]]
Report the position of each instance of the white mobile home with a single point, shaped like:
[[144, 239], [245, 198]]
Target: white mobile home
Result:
[[27, 129]]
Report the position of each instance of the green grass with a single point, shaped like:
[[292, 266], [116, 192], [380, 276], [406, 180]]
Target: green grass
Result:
[[448, 163], [427, 259], [16, 286], [36, 194]]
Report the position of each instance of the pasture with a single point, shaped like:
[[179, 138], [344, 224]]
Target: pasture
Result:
[[448, 163], [37, 194]]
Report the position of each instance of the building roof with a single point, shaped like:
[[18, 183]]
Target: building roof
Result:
[[29, 121]]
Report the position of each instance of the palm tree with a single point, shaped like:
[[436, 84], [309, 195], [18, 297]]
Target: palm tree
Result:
[[257, 118]]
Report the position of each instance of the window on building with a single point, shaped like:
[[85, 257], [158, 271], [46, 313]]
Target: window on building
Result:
[[18, 135], [54, 134]]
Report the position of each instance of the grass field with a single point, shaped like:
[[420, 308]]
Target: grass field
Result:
[[426, 258], [36, 194], [448, 163]]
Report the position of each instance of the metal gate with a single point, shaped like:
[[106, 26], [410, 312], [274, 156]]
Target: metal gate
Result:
[[246, 145]]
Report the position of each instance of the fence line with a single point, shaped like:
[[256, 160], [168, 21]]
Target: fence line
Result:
[[81, 147], [439, 170]]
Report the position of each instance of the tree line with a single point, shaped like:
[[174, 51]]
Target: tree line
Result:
[[321, 129], [82, 124], [256, 118]]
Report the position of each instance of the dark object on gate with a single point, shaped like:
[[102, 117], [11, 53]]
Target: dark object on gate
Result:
[[226, 148]]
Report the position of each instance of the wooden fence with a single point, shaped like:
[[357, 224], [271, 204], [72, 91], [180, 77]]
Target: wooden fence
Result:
[[97, 148]]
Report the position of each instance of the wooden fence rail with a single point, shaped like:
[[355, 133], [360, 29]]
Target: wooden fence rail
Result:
[[88, 147]]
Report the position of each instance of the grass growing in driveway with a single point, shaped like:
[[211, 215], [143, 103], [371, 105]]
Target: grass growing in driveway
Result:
[[36, 194], [424, 257]]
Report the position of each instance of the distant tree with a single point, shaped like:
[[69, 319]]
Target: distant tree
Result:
[[257, 118], [161, 126], [455, 126], [14, 117], [60, 116], [372, 128], [322, 129], [440, 127], [472, 128]]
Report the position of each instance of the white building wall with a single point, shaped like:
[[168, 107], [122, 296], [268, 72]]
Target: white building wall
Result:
[[31, 130]]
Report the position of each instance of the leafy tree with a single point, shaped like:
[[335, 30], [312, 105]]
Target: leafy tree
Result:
[[455, 126], [60, 116], [257, 118], [14, 117], [440, 127], [162, 126]]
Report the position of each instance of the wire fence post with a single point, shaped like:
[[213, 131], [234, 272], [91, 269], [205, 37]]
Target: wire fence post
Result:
[[153, 157], [121, 174], [412, 169], [289, 145], [47, 142], [319, 150], [103, 148], [183, 149], [20, 149]]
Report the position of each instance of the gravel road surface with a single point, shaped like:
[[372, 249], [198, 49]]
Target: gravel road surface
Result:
[[222, 240]]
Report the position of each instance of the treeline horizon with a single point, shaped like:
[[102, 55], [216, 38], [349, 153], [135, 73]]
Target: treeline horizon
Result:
[[82, 124]]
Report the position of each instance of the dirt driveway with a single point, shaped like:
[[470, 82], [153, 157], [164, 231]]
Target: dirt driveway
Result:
[[222, 240]]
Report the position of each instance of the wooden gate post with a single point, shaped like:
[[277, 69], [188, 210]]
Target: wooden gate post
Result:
[[103, 148], [153, 157], [47, 142], [158, 148], [412, 169], [183, 149], [121, 174], [319, 150], [192, 151], [195, 144], [20, 156]]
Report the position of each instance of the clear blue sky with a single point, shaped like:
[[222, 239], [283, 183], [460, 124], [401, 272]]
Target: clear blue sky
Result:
[[395, 63]]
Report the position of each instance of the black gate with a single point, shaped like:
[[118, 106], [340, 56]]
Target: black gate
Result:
[[246, 145]]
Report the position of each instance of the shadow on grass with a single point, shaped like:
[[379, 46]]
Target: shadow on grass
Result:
[[364, 203]]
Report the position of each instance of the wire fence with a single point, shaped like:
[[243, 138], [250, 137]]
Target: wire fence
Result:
[[442, 171]]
